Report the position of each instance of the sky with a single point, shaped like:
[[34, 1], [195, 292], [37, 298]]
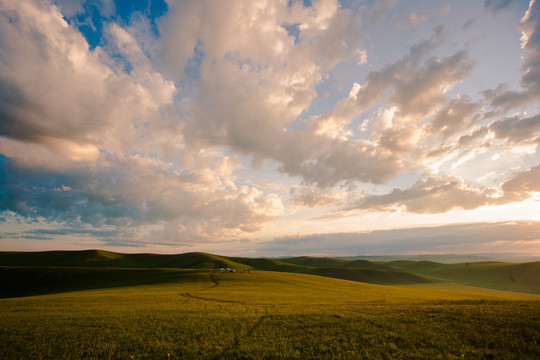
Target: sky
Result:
[[270, 128]]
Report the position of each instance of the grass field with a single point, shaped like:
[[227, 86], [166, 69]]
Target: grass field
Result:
[[203, 314]]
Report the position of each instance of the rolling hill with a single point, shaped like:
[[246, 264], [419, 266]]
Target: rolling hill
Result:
[[373, 276], [519, 277], [101, 258]]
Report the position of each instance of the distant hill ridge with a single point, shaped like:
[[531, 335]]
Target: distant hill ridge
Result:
[[521, 277], [102, 258], [356, 270]]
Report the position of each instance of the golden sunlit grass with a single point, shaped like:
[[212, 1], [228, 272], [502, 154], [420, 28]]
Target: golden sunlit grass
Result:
[[269, 315]]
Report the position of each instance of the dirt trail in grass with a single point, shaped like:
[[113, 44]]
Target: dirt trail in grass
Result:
[[254, 327], [191, 296], [242, 335], [215, 284], [213, 279]]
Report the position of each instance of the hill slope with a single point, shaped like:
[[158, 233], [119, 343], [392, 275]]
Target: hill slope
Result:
[[311, 261], [357, 270], [524, 277], [101, 258], [520, 277], [373, 276], [38, 280]]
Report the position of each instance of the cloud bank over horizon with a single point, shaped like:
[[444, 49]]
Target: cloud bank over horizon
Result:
[[249, 126]]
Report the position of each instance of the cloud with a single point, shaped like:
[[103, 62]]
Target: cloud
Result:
[[517, 130], [436, 195], [51, 234], [454, 117], [324, 152], [255, 78], [431, 196], [379, 10], [245, 95], [147, 130], [95, 119], [56, 92], [313, 197], [525, 182], [412, 84], [411, 21], [461, 131], [136, 192], [530, 81], [521, 236], [416, 91], [497, 5]]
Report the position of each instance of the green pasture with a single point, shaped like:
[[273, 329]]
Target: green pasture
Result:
[[107, 313]]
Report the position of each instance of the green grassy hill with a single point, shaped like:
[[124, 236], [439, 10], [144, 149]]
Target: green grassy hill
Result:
[[373, 276], [357, 270], [59, 258], [268, 264], [521, 277], [311, 261], [524, 277], [192, 261], [326, 262], [101, 258], [365, 264]]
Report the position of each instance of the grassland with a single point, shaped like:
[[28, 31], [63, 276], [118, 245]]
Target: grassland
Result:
[[521, 277], [158, 313]]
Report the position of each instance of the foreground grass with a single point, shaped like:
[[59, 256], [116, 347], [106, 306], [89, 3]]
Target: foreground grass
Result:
[[265, 315]]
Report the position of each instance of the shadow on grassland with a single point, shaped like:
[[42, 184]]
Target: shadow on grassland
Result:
[[30, 281]]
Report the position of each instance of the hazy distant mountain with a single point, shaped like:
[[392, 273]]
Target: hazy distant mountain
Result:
[[449, 258]]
